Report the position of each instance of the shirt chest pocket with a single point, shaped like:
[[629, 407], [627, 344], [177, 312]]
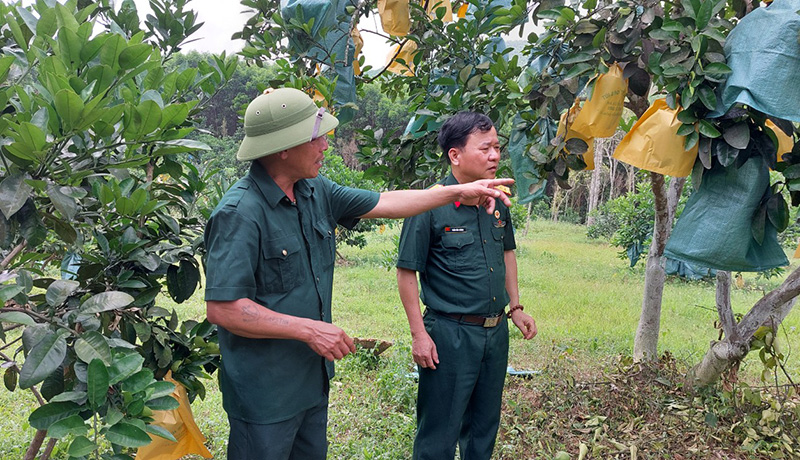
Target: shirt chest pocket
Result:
[[281, 269], [325, 245], [458, 247]]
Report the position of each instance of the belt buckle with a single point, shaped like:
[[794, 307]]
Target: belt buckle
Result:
[[491, 322]]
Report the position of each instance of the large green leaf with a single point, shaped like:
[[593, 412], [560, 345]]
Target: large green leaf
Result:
[[81, 447], [44, 358], [16, 317], [150, 117], [134, 55], [160, 431], [704, 14], [92, 345], [737, 136], [138, 381], [69, 47], [778, 212], [66, 205], [182, 280], [72, 425], [163, 403], [69, 107], [59, 290], [14, 191], [127, 435], [105, 301], [124, 366], [50, 413], [97, 383]]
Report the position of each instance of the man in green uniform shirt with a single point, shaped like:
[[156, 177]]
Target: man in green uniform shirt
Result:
[[270, 247], [468, 270]]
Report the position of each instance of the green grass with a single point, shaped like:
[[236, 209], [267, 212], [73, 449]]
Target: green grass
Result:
[[585, 300]]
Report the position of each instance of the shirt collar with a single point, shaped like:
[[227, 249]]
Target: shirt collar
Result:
[[270, 190], [450, 180]]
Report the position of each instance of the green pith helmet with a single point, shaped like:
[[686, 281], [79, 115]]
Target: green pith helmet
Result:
[[281, 119]]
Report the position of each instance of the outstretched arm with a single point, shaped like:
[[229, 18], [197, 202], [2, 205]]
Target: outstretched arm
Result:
[[522, 320], [406, 203], [246, 318], [422, 347]]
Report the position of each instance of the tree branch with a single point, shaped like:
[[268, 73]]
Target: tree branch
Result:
[[724, 306], [13, 254], [770, 304]]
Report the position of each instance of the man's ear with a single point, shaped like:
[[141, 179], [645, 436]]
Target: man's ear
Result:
[[454, 155]]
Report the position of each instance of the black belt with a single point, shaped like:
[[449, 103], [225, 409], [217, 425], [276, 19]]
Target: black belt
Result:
[[485, 321]]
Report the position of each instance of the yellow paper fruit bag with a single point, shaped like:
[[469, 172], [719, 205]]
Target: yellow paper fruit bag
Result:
[[600, 115], [406, 53], [180, 423], [588, 156], [395, 17], [653, 143], [785, 142], [358, 42]]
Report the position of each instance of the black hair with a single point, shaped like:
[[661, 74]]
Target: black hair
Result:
[[455, 131]]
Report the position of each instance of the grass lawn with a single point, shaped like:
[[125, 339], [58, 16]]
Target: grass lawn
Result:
[[586, 302]]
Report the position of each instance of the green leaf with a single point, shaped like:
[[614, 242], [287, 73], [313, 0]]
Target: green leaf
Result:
[[717, 68], [182, 280], [685, 130], [161, 389], [5, 66], [44, 358], [134, 55], [725, 153], [138, 381], [76, 396], [10, 379], [708, 130], [737, 136], [778, 212], [97, 384], [127, 435], [150, 117], [69, 107], [792, 172], [707, 97], [163, 403], [16, 317], [92, 345], [105, 301], [160, 431], [174, 115], [73, 425], [124, 366], [50, 413], [704, 14], [81, 447], [59, 291], [66, 205], [758, 224], [14, 191]]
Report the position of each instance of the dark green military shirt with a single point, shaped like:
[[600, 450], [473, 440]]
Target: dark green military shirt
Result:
[[263, 247], [459, 253]]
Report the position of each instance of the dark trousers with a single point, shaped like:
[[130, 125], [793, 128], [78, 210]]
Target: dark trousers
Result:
[[460, 401], [302, 437]]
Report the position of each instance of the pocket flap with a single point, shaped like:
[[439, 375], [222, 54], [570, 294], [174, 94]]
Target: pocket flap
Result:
[[457, 240], [280, 248]]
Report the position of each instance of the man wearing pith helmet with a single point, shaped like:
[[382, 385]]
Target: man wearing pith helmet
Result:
[[270, 255]]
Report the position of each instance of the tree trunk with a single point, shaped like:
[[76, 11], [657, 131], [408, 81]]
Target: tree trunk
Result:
[[595, 186], [769, 311], [645, 344]]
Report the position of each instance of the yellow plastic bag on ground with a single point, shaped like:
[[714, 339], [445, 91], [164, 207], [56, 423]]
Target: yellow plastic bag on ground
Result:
[[588, 156], [180, 423], [395, 17], [407, 52], [600, 115], [653, 143], [434, 5]]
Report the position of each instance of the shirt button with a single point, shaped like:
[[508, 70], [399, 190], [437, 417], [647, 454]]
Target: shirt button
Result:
[[494, 299], [318, 279], [484, 241], [285, 252], [491, 269]]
